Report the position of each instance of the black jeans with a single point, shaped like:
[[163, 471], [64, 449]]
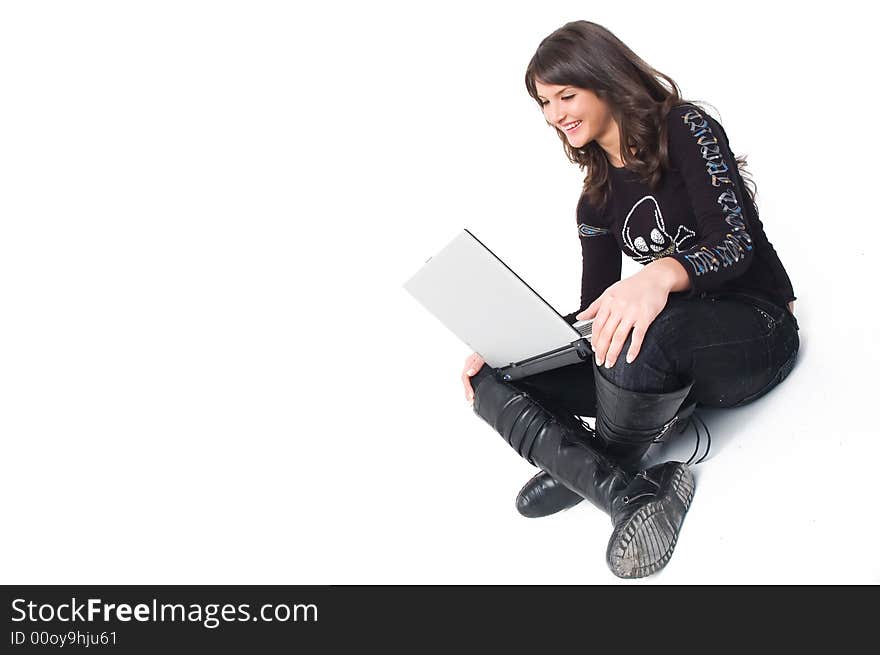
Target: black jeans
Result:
[[735, 347]]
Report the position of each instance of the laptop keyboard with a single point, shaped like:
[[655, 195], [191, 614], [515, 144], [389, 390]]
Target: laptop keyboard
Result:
[[585, 330]]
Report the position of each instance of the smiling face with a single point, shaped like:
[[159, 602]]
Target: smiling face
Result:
[[580, 115]]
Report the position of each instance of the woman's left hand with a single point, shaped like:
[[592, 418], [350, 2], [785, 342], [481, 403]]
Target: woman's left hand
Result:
[[630, 304]]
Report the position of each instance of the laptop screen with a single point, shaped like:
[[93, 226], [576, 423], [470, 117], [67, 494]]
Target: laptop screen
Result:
[[482, 301]]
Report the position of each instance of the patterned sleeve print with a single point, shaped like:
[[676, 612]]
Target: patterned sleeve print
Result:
[[590, 222], [591, 230], [704, 158]]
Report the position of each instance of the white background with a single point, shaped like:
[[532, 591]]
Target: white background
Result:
[[210, 372]]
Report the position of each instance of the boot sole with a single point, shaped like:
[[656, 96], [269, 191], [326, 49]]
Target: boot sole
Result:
[[644, 543]]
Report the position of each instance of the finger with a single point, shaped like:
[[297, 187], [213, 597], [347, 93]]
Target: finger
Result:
[[597, 342], [636, 344], [605, 336], [466, 381], [617, 341], [475, 367], [590, 311], [599, 323]]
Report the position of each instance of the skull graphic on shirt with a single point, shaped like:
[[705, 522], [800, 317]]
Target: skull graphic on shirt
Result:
[[644, 232]]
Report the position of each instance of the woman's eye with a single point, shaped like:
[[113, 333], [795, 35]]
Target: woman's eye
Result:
[[544, 103]]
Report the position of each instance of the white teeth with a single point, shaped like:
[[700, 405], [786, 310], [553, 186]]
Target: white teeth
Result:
[[572, 126]]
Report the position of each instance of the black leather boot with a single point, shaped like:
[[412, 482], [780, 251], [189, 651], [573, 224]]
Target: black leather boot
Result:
[[543, 496], [647, 510], [628, 422]]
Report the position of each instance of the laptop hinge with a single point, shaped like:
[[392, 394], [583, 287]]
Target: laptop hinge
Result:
[[571, 354]]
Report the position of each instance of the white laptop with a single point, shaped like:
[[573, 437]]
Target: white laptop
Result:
[[489, 307]]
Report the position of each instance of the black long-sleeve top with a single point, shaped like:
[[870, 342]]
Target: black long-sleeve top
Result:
[[699, 215]]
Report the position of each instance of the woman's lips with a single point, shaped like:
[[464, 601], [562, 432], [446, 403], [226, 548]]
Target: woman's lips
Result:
[[574, 127]]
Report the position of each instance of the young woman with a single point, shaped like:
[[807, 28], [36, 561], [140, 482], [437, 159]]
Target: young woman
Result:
[[708, 321]]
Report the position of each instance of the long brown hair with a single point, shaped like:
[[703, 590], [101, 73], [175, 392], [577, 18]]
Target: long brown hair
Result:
[[587, 55]]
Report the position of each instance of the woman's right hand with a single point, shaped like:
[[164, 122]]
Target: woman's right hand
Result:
[[471, 365]]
